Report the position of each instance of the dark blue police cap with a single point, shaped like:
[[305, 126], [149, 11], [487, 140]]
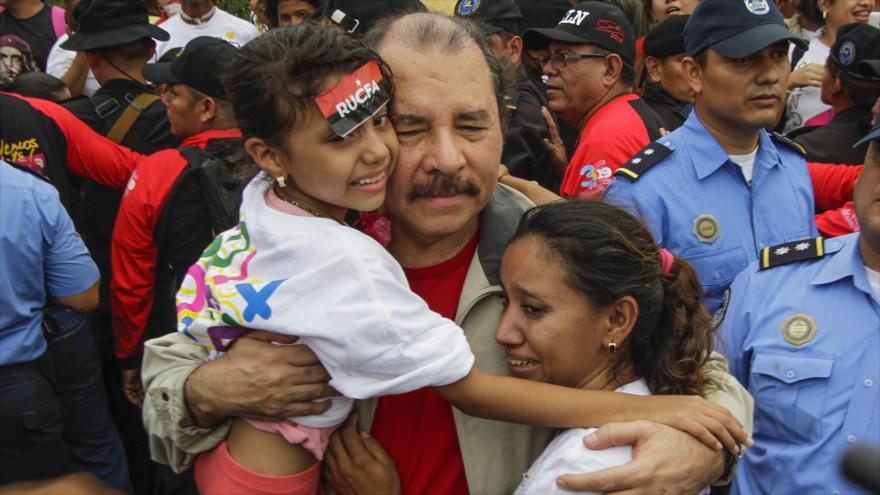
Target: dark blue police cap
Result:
[[736, 28]]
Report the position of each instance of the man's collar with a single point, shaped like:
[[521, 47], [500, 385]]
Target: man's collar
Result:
[[845, 260], [201, 139], [708, 155]]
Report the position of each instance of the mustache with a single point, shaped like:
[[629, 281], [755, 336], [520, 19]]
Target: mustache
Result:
[[442, 186]]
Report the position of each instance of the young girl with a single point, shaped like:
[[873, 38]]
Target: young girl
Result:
[[312, 104]]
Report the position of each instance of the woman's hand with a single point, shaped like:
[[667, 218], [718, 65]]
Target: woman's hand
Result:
[[807, 75], [710, 423], [356, 463], [554, 143]]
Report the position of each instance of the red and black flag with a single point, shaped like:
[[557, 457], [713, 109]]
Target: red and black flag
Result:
[[354, 100]]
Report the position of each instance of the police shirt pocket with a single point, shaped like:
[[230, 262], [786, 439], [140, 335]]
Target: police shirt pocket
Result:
[[789, 394], [716, 271]]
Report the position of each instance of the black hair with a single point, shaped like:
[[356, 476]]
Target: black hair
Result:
[[608, 254], [273, 80], [38, 85]]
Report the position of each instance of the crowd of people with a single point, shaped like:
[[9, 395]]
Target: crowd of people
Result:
[[472, 246]]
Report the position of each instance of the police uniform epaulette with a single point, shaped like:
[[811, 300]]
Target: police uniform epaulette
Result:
[[791, 144], [782, 254], [646, 158]]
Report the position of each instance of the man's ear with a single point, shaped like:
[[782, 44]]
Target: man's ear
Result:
[[207, 110], [613, 68], [652, 68], [693, 73], [270, 159], [515, 48]]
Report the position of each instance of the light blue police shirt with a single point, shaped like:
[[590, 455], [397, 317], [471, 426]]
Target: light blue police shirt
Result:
[[39, 251], [804, 339], [698, 186]]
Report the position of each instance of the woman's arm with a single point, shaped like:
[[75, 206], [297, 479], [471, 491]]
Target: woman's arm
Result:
[[528, 402]]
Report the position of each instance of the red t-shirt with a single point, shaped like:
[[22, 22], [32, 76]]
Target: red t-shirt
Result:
[[612, 135], [417, 428]]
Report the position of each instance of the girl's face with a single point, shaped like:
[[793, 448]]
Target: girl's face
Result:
[[551, 332], [339, 174], [662, 9]]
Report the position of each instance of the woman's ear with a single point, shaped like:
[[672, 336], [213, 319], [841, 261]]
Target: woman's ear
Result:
[[622, 317], [269, 159]]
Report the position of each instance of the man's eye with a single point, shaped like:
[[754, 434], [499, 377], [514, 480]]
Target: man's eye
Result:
[[409, 133]]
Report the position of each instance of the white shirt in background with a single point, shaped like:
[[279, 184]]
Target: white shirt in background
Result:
[[222, 25], [60, 60], [805, 103]]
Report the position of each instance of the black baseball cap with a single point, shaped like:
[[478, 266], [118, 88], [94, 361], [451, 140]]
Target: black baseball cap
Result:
[[667, 38], [199, 65], [497, 15], [736, 28], [591, 22], [857, 51], [105, 23]]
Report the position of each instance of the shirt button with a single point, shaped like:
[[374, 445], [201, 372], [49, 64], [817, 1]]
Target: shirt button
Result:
[[165, 396], [835, 492], [789, 374], [851, 438], [868, 382]]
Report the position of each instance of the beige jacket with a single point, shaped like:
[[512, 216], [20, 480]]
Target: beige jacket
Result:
[[495, 454]]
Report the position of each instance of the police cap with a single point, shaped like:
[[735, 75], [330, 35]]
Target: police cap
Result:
[[857, 44], [498, 15], [736, 28]]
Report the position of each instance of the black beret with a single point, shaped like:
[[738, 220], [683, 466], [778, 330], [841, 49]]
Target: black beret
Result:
[[666, 38]]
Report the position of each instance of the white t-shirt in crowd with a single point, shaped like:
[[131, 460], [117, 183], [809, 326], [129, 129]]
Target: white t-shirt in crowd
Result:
[[60, 60], [874, 280], [566, 454], [805, 103], [336, 288], [746, 163], [221, 25]]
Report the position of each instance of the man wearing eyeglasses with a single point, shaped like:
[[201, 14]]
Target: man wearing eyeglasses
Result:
[[590, 74]]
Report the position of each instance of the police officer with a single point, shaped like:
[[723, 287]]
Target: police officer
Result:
[[666, 88], [850, 87], [719, 188], [801, 333], [524, 152]]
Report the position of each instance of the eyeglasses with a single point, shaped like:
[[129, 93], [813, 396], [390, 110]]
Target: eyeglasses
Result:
[[559, 59]]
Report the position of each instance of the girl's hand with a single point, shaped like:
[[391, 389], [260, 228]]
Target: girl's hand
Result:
[[710, 423], [356, 463]]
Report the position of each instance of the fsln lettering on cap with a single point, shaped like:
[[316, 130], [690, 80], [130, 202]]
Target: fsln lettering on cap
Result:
[[354, 99], [646, 158], [782, 254], [575, 17]]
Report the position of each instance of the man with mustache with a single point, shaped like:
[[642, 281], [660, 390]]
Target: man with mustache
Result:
[[449, 226], [719, 188]]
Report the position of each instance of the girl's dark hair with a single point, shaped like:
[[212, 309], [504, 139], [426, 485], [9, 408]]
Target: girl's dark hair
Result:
[[608, 254], [273, 80]]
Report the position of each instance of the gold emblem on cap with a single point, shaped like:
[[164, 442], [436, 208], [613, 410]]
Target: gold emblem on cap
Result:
[[706, 228], [798, 329]]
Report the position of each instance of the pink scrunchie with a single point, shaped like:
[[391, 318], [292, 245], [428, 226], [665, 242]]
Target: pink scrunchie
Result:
[[666, 259]]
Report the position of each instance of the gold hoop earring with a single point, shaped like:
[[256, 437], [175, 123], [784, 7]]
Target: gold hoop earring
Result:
[[612, 347], [282, 182]]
